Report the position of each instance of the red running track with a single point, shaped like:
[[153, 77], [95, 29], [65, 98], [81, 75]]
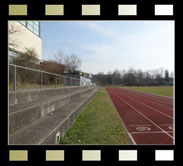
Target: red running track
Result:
[[148, 118]]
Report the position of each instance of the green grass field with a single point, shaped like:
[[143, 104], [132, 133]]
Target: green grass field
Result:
[[159, 90], [99, 123]]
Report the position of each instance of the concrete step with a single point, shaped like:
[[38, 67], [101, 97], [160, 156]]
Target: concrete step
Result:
[[52, 126], [24, 114], [33, 95]]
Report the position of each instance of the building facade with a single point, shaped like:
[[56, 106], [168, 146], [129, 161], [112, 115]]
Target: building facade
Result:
[[85, 79], [24, 35]]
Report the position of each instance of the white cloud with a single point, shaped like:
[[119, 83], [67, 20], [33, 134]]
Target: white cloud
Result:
[[151, 49], [98, 28], [149, 45]]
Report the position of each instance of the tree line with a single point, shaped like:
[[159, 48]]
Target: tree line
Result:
[[135, 77], [60, 64]]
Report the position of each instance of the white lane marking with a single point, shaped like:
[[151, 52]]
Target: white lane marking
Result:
[[149, 107], [140, 125], [155, 99], [152, 102], [132, 138], [149, 94], [170, 126], [142, 129], [145, 116], [150, 132]]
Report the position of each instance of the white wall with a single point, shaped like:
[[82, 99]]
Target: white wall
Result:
[[25, 39], [85, 81]]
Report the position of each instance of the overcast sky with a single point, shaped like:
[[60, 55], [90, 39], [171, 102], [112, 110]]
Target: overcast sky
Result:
[[106, 45]]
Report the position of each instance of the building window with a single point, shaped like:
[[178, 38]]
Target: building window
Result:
[[13, 53], [23, 23], [33, 26], [30, 27], [12, 56]]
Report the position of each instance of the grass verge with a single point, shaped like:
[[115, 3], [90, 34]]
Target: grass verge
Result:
[[99, 123], [159, 90]]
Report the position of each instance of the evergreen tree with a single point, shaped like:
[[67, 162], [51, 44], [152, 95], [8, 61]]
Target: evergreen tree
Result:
[[166, 75]]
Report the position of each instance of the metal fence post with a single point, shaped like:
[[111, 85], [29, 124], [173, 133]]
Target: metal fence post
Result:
[[55, 81], [65, 83], [72, 81], [14, 85], [41, 82]]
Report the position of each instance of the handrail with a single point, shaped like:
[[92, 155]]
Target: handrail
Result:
[[43, 71], [71, 79]]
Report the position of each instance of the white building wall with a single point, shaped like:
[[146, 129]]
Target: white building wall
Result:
[[25, 39], [85, 81]]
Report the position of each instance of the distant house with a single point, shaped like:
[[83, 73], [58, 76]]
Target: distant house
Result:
[[170, 82], [85, 79]]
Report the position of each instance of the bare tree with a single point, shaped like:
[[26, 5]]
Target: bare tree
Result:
[[13, 30], [133, 77], [116, 76], [161, 71], [72, 62], [60, 57], [28, 59], [172, 74]]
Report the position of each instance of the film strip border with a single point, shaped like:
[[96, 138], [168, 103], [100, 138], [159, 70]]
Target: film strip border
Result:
[[92, 10], [97, 10], [90, 155]]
